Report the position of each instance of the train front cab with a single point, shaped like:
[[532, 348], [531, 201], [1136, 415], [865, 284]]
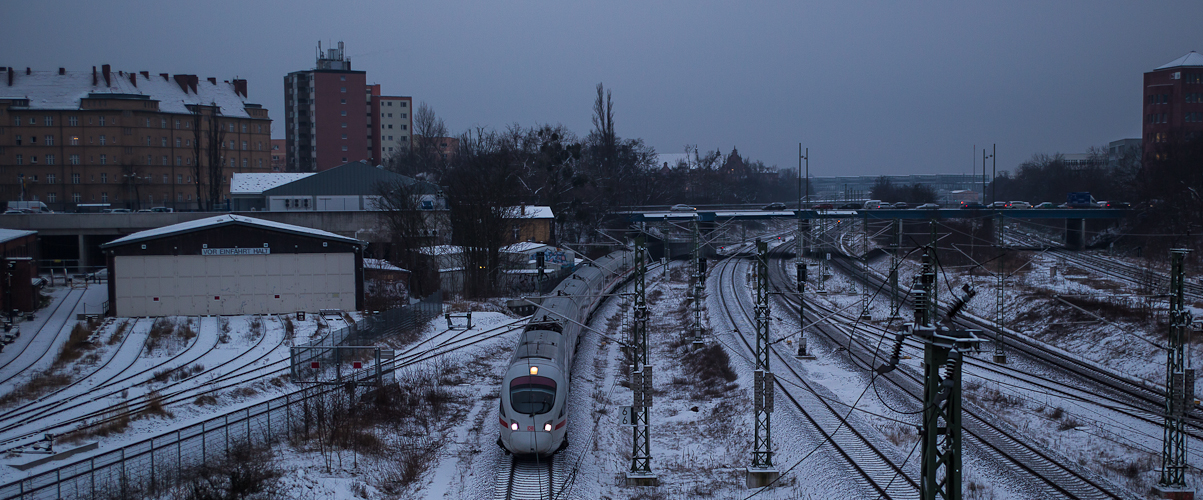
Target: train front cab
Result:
[[533, 419]]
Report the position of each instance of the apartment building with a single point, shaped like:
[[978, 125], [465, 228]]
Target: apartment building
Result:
[[127, 139]]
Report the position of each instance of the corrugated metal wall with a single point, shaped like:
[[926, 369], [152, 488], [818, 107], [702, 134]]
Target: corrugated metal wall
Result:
[[234, 284]]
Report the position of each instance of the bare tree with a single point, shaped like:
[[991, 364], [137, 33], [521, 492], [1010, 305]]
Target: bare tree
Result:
[[208, 159], [409, 227]]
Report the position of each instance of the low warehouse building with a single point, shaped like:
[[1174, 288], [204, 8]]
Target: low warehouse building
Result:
[[231, 264]]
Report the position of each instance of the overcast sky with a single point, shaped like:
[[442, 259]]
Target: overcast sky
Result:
[[870, 87]]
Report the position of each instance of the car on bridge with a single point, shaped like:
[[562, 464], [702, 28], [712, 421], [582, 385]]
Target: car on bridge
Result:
[[823, 206], [1046, 204], [681, 207], [971, 205], [775, 206], [928, 206], [1019, 204], [901, 205], [873, 204]]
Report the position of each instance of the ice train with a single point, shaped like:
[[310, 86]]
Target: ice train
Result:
[[534, 394]]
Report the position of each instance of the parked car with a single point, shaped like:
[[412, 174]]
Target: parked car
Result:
[[1019, 204], [1118, 204], [1047, 204], [161, 209], [823, 206], [872, 204], [777, 205], [116, 211], [928, 206], [849, 206], [145, 211], [902, 205], [681, 207], [971, 205], [14, 211], [999, 204]]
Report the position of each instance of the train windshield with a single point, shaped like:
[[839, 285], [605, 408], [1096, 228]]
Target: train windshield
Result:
[[532, 395]]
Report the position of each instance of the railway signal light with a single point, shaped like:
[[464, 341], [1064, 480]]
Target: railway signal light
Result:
[[802, 278], [702, 265]]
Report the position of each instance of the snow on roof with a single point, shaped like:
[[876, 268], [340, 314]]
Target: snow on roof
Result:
[[50, 90], [12, 234], [381, 264], [441, 250], [532, 212], [523, 247], [1191, 59], [258, 183], [222, 220]]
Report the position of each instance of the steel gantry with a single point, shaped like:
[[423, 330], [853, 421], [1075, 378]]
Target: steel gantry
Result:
[[641, 378], [699, 284], [1179, 386], [940, 431], [1000, 298], [762, 472], [895, 246]]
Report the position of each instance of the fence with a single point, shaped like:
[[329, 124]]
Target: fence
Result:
[[144, 468]]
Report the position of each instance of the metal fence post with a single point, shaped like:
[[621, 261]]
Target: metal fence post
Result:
[[92, 475], [152, 464], [226, 427], [269, 422]]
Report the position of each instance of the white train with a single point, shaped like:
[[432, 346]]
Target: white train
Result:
[[534, 393]]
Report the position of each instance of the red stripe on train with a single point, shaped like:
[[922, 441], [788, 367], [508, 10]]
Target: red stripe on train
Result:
[[503, 422], [561, 424]]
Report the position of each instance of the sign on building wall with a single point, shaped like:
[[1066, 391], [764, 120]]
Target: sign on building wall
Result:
[[236, 251]]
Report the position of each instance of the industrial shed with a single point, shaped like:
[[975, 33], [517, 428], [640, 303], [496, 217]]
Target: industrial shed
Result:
[[231, 264]]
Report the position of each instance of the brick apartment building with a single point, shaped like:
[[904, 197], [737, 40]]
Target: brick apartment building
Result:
[[333, 117], [1173, 101], [132, 140]]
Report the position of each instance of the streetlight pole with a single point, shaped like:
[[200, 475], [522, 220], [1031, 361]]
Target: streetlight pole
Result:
[[984, 157], [993, 172]]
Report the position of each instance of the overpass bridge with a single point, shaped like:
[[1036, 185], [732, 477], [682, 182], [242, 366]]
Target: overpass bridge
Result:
[[1074, 218], [77, 237]]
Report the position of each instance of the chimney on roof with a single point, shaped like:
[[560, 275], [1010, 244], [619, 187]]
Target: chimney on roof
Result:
[[105, 69], [240, 87], [133, 79], [62, 71], [192, 82], [27, 72], [146, 75], [523, 207], [10, 76], [182, 81], [94, 80], [164, 75], [212, 80]]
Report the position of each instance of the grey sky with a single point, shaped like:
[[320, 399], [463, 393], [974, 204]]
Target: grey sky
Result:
[[869, 87]]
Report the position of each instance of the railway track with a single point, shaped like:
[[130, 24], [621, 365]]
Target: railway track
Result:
[[527, 479], [1051, 474], [876, 471], [56, 321]]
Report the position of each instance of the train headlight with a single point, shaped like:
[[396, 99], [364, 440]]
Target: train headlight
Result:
[[534, 370], [547, 427], [514, 426]]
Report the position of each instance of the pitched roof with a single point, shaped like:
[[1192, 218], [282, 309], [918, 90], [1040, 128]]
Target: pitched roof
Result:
[[1191, 59], [12, 234], [50, 90], [226, 220], [258, 183], [350, 179]]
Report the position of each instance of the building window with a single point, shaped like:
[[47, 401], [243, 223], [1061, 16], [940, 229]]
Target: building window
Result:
[[179, 179], [104, 196], [404, 115], [50, 159], [102, 121], [74, 140], [102, 140], [74, 159], [75, 178], [162, 141], [104, 159], [51, 197], [390, 125], [49, 121], [33, 159], [344, 148], [177, 124], [344, 124], [150, 198], [179, 162], [179, 196], [49, 140], [178, 141], [104, 178], [49, 178], [344, 101], [390, 115], [162, 123], [342, 78], [164, 160], [244, 128], [403, 104], [406, 127], [344, 112], [73, 121], [75, 198], [18, 139], [231, 144], [244, 145], [150, 160], [344, 136], [343, 90]]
